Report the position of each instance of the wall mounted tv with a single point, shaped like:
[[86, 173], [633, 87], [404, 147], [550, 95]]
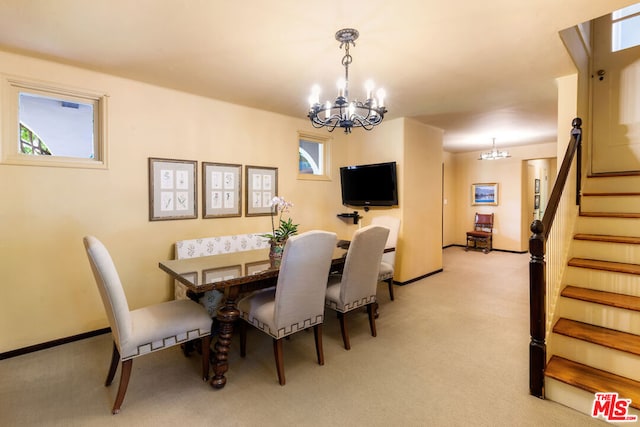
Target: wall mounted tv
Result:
[[369, 185]]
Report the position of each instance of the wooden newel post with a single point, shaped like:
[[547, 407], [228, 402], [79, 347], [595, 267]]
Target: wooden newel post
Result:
[[537, 314]]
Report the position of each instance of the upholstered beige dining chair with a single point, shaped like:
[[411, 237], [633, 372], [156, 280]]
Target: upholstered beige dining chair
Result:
[[297, 301], [387, 265], [356, 286], [144, 330]]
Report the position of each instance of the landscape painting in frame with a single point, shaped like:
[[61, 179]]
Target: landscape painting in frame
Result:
[[484, 194]]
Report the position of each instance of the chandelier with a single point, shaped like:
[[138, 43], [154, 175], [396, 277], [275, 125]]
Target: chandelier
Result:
[[343, 112], [494, 154]]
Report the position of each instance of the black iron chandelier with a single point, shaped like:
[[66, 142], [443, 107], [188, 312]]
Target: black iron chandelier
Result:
[[342, 112]]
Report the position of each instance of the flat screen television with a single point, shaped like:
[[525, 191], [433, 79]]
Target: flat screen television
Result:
[[369, 185]]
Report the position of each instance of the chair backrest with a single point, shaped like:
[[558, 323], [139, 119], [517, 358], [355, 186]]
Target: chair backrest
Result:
[[361, 267], [483, 222], [393, 224], [110, 287], [302, 280]]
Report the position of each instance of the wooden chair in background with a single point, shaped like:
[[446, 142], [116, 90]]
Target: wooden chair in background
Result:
[[482, 233]]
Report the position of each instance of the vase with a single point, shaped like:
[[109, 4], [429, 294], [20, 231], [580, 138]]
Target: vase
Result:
[[275, 254]]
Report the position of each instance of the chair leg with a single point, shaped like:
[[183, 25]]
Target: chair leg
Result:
[[242, 329], [390, 282], [372, 318], [206, 349], [124, 382], [115, 358], [277, 352], [343, 329], [317, 333]]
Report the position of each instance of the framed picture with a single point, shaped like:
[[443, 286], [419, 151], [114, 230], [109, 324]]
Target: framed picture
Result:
[[221, 185], [219, 274], [536, 202], [172, 189], [537, 186], [484, 194], [256, 267], [261, 187]]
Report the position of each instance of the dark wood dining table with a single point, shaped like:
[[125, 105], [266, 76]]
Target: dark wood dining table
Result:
[[233, 273]]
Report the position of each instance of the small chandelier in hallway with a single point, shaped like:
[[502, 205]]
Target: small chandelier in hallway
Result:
[[494, 154], [343, 112]]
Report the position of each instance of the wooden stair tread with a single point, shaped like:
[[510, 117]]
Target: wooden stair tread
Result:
[[611, 214], [606, 238], [613, 174], [593, 380], [610, 194], [605, 337], [628, 302], [618, 267]]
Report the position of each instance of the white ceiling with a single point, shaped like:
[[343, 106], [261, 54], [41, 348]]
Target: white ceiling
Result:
[[477, 69]]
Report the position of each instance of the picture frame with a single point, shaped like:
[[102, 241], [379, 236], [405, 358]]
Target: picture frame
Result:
[[536, 186], [536, 202], [256, 267], [172, 189], [261, 186], [484, 194], [221, 184], [214, 275]]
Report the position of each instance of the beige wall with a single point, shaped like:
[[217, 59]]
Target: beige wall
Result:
[[512, 212], [449, 200], [48, 291], [417, 150], [47, 288]]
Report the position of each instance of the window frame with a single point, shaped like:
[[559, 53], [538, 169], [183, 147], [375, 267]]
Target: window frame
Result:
[[12, 86], [325, 142]]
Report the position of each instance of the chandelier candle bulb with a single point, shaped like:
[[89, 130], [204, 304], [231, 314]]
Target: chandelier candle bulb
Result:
[[352, 109], [381, 94], [369, 88], [342, 86]]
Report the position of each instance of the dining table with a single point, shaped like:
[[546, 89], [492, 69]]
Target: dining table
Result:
[[234, 274]]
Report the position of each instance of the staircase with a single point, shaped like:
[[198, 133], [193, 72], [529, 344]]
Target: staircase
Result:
[[594, 345]]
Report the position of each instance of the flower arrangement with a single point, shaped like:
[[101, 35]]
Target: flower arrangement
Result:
[[285, 229]]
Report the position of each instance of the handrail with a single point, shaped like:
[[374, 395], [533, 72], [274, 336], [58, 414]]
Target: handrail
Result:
[[537, 264]]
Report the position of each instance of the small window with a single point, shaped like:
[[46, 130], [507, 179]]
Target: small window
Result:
[[47, 125], [313, 157], [625, 28]]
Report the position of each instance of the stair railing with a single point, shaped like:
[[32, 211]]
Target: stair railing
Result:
[[543, 282]]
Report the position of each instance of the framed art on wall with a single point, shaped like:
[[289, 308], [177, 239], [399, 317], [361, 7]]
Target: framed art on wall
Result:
[[484, 194], [260, 188], [172, 189], [221, 185], [219, 274]]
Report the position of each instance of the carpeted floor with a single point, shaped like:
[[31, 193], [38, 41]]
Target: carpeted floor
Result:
[[452, 350]]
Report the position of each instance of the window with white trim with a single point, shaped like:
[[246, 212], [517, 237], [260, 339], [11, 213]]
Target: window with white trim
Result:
[[625, 28], [49, 125], [313, 157]]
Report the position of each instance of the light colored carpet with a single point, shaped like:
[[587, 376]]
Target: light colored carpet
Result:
[[452, 350]]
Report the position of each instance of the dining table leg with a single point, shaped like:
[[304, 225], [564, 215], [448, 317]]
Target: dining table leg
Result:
[[228, 313]]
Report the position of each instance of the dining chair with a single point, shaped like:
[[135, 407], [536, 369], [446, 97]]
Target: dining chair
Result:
[[296, 302], [387, 265], [356, 286], [143, 330], [482, 233]]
